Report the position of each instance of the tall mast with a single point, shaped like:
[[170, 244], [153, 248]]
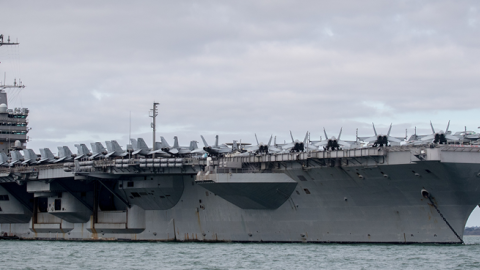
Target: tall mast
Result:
[[154, 113], [15, 85]]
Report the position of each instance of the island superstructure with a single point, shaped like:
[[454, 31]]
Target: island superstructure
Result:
[[13, 122]]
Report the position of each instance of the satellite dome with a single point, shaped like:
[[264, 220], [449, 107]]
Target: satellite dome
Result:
[[18, 145], [3, 108]]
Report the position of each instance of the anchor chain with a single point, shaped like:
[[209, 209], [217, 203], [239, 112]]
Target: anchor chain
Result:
[[444, 219]]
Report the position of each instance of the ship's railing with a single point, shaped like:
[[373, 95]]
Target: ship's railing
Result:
[[29, 169], [462, 148], [121, 163], [347, 153]]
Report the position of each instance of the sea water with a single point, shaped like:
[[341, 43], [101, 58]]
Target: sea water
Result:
[[160, 255]]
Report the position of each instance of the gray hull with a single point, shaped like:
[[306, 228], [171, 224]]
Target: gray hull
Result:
[[361, 199]]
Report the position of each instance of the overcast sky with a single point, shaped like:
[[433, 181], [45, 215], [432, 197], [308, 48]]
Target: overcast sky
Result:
[[236, 68]]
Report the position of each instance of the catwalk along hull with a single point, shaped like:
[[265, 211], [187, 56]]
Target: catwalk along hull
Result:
[[339, 198]]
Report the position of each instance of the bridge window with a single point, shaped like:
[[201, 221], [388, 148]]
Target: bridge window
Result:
[[129, 184], [4, 198], [306, 191]]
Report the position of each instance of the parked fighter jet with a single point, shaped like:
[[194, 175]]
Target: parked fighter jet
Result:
[[380, 139], [141, 148], [467, 136], [177, 149], [64, 154], [440, 137], [332, 143], [114, 149], [82, 151], [30, 157], [277, 147], [214, 150], [98, 151], [415, 138], [46, 156], [298, 146], [262, 148], [16, 157]]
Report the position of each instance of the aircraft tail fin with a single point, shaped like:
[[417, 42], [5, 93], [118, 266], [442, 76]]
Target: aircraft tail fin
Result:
[[67, 152], [390, 129], [448, 125], [291, 136], [3, 158], [82, 149], [216, 141], [374, 130], [109, 146], [164, 142], [193, 145], [29, 154], [325, 132], [61, 152], [134, 144], [46, 153], [270, 141], [234, 145], [431, 125], [204, 141], [158, 145], [340, 134], [100, 147], [141, 144], [175, 142], [93, 145], [306, 138], [116, 147], [256, 138], [16, 156]]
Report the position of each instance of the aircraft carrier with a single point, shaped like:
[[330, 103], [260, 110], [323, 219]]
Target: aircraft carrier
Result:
[[300, 192]]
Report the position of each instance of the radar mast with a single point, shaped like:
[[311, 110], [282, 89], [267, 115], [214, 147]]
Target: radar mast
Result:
[[13, 122]]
